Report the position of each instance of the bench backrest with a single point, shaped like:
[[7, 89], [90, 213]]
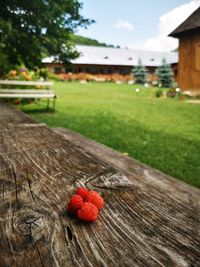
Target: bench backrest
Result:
[[25, 91], [31, 83]]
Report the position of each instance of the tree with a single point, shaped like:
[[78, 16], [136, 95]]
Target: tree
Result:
[[81, 40], [140, 73], [165, 74], [31, 29]]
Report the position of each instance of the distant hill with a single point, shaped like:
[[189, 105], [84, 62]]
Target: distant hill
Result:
[[80, 40]]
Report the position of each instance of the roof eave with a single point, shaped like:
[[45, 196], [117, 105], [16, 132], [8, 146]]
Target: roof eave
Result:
[[177, 34], [190, 24]]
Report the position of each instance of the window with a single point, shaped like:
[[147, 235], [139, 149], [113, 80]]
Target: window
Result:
[[151, 70], [57, 70], [124, 71], [69, 69], [93, 70], [105, 71], [116, 70]]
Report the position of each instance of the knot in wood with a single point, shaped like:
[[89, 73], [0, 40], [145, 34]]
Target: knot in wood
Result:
[[112, 181], [27, 228]]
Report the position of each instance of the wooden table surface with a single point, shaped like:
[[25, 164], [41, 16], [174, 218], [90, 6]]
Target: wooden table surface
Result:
[[150, 219]]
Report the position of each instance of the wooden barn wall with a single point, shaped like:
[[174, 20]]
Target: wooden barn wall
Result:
[[102, 69], [189, 62]]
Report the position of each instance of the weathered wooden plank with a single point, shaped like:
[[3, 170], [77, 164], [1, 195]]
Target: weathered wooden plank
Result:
[[144, 175], [14, 82], [12, 118], [34, 91], [39, 169], [189, 74], [28, 95]]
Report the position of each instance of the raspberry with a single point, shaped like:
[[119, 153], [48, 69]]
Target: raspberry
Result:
[[82, 191], [95, 198], [75, 204], [88, 212]]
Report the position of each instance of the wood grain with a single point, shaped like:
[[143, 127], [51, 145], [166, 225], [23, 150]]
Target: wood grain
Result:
[[188, 66], [141, 224]]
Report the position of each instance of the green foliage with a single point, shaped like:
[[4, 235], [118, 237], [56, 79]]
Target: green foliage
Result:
[[23, 74], [31, 29], [165, 74], [159, 92], [80, 40], [53, 77], [5, 65], [140, 73], [164, 134], [43, 73], [171, 92]]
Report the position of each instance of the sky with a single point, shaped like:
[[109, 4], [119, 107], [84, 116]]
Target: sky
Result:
[[137, 24]]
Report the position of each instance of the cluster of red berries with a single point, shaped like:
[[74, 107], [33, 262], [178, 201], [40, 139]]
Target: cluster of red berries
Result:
[[85, 204]]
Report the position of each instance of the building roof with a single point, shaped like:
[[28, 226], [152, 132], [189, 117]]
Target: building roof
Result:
[[94, 55], [191, 23]]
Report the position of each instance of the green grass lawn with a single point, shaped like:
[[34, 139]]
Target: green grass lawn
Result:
[[163, 133]]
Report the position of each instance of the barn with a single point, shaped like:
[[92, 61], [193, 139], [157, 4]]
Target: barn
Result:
[[106, 60], [188, 34]]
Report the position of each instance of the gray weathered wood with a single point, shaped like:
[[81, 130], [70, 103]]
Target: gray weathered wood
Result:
[[143, 174], [15, 82], [142, 224], [27, 93], [34, 91]]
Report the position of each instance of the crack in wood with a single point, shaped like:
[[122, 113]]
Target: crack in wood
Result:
[[3, 189], [39, 254], [15, 179], [69, 233], [29, 184]]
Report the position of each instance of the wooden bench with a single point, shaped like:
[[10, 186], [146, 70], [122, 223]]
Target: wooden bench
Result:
[[28, 93], [149, 219]]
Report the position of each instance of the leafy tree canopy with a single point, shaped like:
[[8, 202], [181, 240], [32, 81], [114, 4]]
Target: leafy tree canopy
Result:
[[81, 40], [31, 29]]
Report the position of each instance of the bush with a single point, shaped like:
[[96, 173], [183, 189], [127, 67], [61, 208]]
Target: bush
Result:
[[23, 74], [43, 73], [159, 92], [171, 92], [54, 77]]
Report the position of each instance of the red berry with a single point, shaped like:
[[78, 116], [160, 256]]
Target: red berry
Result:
[[95, 198], [82, 191], [75, 204], [88, 212]]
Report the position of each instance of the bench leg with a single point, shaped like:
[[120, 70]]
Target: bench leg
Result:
[[47, 103], [21, 105], [54, 103]]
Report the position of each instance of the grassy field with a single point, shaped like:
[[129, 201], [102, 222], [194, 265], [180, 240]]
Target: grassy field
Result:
[[163, 133]]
